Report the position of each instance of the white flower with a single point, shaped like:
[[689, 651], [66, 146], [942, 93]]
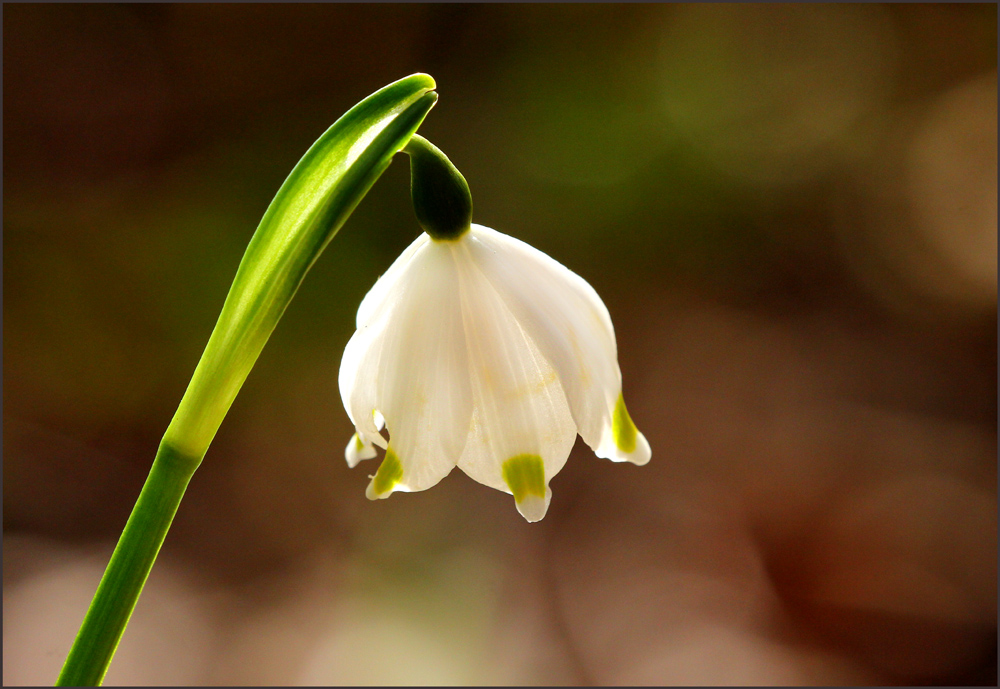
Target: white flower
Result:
[[483, 353]]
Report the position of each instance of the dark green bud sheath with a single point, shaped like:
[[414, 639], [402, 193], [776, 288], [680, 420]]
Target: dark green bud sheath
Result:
[[441, 197]]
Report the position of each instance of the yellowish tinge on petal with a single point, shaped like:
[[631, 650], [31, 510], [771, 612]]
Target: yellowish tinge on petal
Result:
[[388, 475], [357, 449], [525, 476], [622, 428], [629, 444]]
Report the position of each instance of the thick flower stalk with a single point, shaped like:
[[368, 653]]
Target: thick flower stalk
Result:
[[478, 351]]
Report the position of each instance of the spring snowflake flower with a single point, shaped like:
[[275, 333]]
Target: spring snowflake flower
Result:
[[486, 354], [478, 351]]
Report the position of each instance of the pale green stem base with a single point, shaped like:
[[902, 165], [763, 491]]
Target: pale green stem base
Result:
[[130, 564]]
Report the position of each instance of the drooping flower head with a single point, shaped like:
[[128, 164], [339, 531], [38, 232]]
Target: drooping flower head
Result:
[[478, 351]]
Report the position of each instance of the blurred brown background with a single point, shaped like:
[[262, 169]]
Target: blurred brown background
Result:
[[790, 211]]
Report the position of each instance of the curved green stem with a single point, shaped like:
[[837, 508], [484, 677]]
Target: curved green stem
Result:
[[308, 210], [130, 564]]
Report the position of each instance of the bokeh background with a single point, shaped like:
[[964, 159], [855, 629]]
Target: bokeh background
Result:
[[790, 211]]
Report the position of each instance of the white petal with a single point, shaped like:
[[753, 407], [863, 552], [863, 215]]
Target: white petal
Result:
[[385, 293], [533, 507], [621, 441], [522, 430], [358, 449], [572, 329], [359, 367], [414, 372], [358, 375]]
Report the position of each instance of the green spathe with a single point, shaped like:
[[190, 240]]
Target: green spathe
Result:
[[524, 475], [308, 210]]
